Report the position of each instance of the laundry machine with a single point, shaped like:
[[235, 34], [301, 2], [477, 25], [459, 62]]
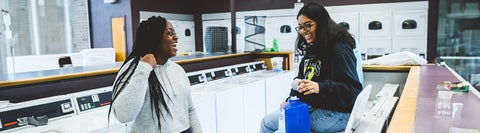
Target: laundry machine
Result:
[[410, 31], [277, 87], [375, 33], [283, 30], [349, 20], [253, 90], [229, 100], [203, 100], [77, 112], [227, 106]]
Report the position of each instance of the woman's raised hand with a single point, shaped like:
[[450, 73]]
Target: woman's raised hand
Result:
[[150, 59]]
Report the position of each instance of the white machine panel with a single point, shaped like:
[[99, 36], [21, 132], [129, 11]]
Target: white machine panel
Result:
[[376, 46], [351, 18], [277, 90], [286, 38], [229, 108], [375, 24], [204, 103], [412, 23], [254, 105], [186, 35], [417, 46], [410, 32]]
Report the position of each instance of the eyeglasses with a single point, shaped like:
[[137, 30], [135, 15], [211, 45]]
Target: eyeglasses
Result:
[[171, 32], [305, 26]]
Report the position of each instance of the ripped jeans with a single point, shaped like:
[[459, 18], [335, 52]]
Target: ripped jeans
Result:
[[320, 121]]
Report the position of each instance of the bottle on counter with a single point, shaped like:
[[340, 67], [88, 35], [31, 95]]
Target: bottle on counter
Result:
[[294, 117], [275, 45]]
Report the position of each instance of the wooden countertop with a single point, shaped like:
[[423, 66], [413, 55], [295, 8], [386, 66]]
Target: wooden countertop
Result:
[[404, 114], [385, 68]]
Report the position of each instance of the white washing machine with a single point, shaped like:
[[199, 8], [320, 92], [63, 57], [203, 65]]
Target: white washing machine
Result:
[[204, 101], [228, 106], [277, 87], [80, 112], [227, 98], [375, 33], [410, 31], [282, 29], [93, 122], [348, 19], [236, 106], [253, 93]]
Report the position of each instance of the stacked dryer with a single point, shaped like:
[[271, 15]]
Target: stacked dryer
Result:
[[410, 32], [375, 33], [282, 29], [384, 33], [186, 35]]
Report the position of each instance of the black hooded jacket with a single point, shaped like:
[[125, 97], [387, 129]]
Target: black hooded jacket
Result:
[[334, 69]]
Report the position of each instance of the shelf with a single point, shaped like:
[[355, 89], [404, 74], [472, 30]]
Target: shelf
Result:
[[460, 57], [469, 15]]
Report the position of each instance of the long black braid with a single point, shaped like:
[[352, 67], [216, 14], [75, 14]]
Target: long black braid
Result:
[[148, 37]]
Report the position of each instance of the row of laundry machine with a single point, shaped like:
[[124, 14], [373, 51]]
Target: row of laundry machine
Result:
[[235, 98]]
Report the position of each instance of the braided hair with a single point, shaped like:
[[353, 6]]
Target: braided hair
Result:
[[146, 42]]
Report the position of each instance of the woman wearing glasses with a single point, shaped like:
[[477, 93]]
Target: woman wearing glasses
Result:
[[151, 90], [328, 80]]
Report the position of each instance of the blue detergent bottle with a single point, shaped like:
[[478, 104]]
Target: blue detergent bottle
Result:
[[294, 117]]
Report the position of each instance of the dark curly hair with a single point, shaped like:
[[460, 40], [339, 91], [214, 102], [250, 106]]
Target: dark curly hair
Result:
[[328, 32]]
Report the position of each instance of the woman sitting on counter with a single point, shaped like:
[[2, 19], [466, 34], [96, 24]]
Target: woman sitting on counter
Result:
[[328, 83]]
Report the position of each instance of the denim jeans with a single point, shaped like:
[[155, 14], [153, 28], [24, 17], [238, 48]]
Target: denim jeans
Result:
[[320, 121]]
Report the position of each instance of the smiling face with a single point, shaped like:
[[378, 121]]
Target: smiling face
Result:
[[168, 46], [307, 27]]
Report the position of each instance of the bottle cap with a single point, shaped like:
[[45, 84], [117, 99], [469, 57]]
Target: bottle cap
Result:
[[294, 98]]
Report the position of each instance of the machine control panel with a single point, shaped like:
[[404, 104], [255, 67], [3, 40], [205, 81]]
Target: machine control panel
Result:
[[260, 66], [243, 70], [94, 101], [216, 75], [196, 79]]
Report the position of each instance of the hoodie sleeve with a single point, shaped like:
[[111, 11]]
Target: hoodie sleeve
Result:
[[128, 103]]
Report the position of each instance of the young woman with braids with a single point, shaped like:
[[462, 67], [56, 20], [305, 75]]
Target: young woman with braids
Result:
[[329, 81], [151, 90]]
